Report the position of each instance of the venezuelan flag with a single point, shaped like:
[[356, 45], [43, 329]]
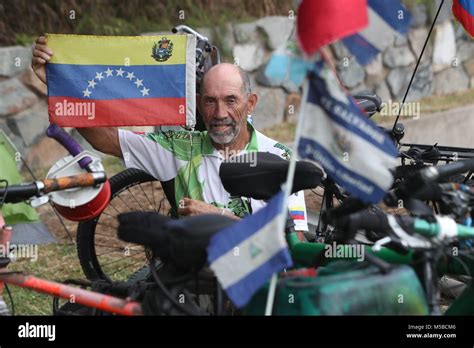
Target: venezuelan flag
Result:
[[103, 81], [463, 10]]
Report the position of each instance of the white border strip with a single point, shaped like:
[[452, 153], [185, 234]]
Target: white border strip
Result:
[[190, 80]]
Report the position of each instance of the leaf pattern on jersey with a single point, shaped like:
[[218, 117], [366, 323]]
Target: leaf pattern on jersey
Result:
[[187, 183], [179, 143]]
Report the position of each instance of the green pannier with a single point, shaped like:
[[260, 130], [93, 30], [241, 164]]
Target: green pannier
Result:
[[346, 288]]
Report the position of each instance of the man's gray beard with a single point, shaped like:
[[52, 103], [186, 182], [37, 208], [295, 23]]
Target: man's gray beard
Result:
[[223, 139]]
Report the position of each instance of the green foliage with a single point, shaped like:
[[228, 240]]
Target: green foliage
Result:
[[24, 39], [132, 17]]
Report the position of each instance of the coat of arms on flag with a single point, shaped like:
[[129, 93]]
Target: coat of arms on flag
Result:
[[103, 81]]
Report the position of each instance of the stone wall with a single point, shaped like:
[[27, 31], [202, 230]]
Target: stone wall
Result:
[[23, 108], [447, 66]]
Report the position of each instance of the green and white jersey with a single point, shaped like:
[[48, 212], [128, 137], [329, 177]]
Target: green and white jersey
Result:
[[192, 161]]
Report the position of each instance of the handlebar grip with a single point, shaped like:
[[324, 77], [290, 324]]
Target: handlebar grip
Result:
[[423, 180], [60, 135], [23, 192], [455, 168], [81, 180], [363, 220], [18, 193]]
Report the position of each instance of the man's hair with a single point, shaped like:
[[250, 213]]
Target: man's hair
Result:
[[246, 85]]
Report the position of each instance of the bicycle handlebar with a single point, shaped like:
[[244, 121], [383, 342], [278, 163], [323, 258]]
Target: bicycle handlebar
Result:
[[426, 177], [186, 29], [60, 135], [403, 228], [22, 192]]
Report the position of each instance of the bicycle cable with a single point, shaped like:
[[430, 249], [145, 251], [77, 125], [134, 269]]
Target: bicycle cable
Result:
[[167, 293], [2, 201], [10, 299]]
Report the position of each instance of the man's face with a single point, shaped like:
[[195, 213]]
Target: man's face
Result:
[[224, 107]]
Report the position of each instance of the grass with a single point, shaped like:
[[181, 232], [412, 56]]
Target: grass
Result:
[[283, 132], [55, 262], [433, 104], [113, 17]]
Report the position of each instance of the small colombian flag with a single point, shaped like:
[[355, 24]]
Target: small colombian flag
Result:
[[103, 81]]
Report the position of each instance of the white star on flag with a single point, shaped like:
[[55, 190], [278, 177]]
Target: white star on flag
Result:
[[99, 76], [92, 83], [138, 82], [120, 72], [87, 93], [109, 72], [145, 91], [130, 76]]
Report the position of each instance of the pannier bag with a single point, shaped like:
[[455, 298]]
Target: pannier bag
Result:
[[346, 288]]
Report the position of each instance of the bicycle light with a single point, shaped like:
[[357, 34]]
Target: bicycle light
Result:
[[84, 203]]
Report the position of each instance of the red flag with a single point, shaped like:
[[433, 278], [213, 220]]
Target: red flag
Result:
[[321, 22], [463, 10]]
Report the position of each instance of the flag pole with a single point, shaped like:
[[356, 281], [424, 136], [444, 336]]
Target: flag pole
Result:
[[287, 191]]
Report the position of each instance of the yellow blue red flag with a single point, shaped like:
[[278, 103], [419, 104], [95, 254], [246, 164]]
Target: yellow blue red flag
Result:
[[102, 81]]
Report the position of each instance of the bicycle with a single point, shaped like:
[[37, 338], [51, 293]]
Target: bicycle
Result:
[[415, 241]]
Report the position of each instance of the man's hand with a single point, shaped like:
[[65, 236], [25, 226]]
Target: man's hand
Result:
[[192, 207], [41, 55]]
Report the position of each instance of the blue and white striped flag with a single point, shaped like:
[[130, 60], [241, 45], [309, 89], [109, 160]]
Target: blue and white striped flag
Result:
[[352, 149], [245, 255], [387, 19]]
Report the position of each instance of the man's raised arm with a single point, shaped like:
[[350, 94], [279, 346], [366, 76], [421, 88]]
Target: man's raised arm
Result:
[[105, 140]]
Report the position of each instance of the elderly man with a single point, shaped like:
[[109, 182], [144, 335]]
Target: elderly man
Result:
[[192, 159]]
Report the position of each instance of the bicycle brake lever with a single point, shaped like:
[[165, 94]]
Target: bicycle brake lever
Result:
[[380, 243], [38, 201], [393, 243]]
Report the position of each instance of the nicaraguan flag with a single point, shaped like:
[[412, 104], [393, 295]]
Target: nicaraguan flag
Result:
[[245, 255], [98, 81], [351, 148], [387, 19], [463, 10]]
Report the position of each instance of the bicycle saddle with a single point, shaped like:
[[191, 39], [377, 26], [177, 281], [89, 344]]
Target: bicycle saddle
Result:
[[262, 177], [181, 242], [369, 103]]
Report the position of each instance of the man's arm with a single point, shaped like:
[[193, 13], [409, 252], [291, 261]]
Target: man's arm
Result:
[[105, 140]]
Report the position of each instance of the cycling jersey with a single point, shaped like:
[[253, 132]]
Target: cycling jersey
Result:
[[190, 159]]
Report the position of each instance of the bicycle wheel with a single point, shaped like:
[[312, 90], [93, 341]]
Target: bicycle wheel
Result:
[[102, 254]]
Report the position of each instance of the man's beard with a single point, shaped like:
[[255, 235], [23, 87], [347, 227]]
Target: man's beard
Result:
[[226, 136]]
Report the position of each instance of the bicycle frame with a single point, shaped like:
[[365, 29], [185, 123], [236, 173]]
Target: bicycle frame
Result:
[[84, 297]]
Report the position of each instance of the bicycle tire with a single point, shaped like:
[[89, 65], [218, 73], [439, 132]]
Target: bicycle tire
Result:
[[92, 256]]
